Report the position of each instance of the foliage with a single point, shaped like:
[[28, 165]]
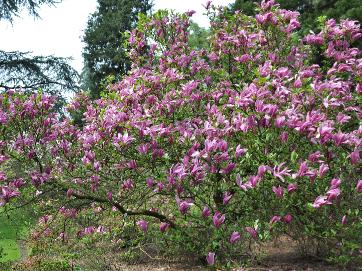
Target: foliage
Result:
[[104, 53], [219, 149], [52, 74], [310, 10], [198, 36], [11, 8], [13, 227], [22, 70]]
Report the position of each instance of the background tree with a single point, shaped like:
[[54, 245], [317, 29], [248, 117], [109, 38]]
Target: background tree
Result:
[[11, 8], [104, 53], [310, 10], [51, 74], [198, 36]]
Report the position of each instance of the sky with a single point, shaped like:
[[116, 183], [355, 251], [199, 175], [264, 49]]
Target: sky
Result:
[[60, 28]]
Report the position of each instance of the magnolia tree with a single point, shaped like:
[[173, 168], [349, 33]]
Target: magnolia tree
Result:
[[255, 137]]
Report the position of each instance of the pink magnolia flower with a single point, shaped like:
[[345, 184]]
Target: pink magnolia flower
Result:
[[284, 136], [240, 151], [128, 184], [227, 197], [279, 191], [355, 157], [303, 169], [320, 201], [109, 196], [143, 225], [323, 169], [344, 220], [252, 231], [69, 192], [184, 206], [7, 194], [226, 170], [292, 187], [244, 186], [275, 219], [206, 212], [218, 219], [335, 183], [164, 226], [287, 218], [210, 258], [333, 193], [280, 172], [235, 236], [149, 182], [262, 169], [359, 186], [298, 83]]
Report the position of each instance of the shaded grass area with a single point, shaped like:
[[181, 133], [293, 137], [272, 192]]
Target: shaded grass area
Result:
[[13, 226]]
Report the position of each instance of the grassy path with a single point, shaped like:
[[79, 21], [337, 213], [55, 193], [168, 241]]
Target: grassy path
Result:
[[12, 230]]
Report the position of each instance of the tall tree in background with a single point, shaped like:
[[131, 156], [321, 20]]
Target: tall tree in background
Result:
[[11, 8], [310, 10], [22, 70], [104, 53], [198, 36]]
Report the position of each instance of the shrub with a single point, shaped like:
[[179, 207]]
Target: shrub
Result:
[[257, 136]]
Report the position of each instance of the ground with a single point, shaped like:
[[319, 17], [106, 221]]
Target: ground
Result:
[[11, 233]]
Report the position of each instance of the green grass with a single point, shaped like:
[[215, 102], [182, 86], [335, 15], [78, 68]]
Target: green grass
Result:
[[11, 250], [12, 228]]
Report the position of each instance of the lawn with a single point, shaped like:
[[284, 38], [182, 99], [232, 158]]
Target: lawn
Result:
[[12, 228]]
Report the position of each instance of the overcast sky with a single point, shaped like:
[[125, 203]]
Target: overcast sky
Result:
[[60, 28]]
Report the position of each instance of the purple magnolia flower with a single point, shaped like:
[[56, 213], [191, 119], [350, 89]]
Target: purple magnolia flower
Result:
[[253, 180], [323, 169], [303, 168], [242, 59], [355, 157], [235, 236], [243, 186], [252, 231], [143, 225], [239, 151], [206, 212], [128, 184], [262, 170], [164, 226], [279, 191], [335, 183], [70, 192], [298, 83], [226, 170], [7, 194], [149, 182], [210, 258], [109, 196], [333, 194], [18, 183], [292, 187], [284, 136], [275, 219], [344, 220], [227, 197], [280, 172], [218, 219], [287, 218], [359, 186], [320, 201], [89, 230], [184, 206]]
